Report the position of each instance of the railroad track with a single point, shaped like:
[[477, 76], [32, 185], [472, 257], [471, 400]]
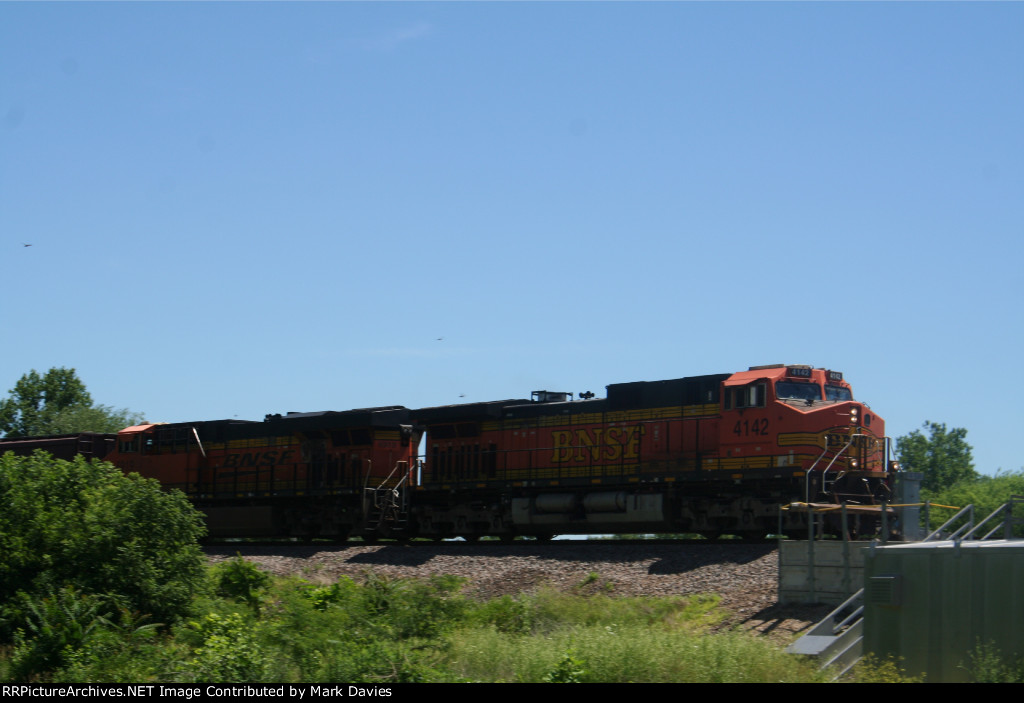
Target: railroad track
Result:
[[483, 544]]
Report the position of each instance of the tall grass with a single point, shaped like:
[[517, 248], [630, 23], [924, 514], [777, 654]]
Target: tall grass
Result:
[[245, 628], [631, 653], [616, 641]]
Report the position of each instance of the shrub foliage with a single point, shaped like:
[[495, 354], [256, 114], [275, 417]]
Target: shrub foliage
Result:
[[87, 525]]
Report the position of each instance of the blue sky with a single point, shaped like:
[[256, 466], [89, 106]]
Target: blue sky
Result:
[[243, 208]]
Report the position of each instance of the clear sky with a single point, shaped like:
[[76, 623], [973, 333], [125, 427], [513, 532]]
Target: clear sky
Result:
[[237, 209]]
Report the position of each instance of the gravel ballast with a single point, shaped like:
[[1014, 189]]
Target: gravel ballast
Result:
[[743, 575]]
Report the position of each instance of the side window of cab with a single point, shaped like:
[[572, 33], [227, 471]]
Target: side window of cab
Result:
[[752, 396]]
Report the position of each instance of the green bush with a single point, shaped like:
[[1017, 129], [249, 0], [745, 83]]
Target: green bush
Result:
[[985, 493], [344, 590], [385, 630], [569, 670], [230, 651], [129, 650], [87, 525], [241, 580], [391, 631], [988, 665], [53, 629], [409, 608], [872, 669]]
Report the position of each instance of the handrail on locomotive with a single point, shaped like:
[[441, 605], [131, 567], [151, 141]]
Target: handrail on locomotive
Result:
[[386, 488], [824, 474]]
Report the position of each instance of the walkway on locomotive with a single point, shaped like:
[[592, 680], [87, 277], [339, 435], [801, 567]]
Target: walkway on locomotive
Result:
[[769, 422]]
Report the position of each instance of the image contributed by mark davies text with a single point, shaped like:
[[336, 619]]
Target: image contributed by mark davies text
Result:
[[195, 691]]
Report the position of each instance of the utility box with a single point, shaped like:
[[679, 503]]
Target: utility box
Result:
[[908, 500], [933, 604]]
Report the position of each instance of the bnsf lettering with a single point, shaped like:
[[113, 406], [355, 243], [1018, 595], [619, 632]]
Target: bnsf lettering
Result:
[[599, 444], [269, 458]]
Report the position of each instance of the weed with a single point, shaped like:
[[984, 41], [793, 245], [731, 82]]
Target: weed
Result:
[[241, 580], [230, 651], [989, 666], [872, 669], [54, 628], [569, 670], [506, 614], [344, 590]]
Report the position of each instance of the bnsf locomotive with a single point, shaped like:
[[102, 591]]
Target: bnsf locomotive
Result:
[[706, 454]]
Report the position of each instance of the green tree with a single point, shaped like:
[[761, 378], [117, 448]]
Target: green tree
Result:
[[87, 525], [93, 418], [986, 493], [57, 402], [944, 456]]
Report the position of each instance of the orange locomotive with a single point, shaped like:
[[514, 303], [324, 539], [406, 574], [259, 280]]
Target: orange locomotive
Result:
[[323, 474], [707, 454]]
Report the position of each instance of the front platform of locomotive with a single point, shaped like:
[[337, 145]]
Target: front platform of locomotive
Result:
[[808, 420]]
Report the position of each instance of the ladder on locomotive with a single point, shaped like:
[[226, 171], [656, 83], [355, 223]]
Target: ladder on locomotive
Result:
[[830, 478], [387, 503], [84, 447]]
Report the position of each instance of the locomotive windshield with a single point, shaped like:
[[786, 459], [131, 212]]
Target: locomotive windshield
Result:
[[837, 393], [788, 390]]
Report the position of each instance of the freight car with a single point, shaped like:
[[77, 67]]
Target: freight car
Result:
[[92, 445], [707, 454]]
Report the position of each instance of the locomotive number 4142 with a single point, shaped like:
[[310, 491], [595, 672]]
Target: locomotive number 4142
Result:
[[745, 428]]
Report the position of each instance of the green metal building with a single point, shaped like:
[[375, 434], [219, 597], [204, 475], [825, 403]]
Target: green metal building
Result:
[[933, 604]]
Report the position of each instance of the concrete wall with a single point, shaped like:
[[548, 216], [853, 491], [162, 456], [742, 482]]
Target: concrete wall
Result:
[[838, 571]]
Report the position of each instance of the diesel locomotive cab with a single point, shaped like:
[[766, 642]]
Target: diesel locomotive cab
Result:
[[806, 420]]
